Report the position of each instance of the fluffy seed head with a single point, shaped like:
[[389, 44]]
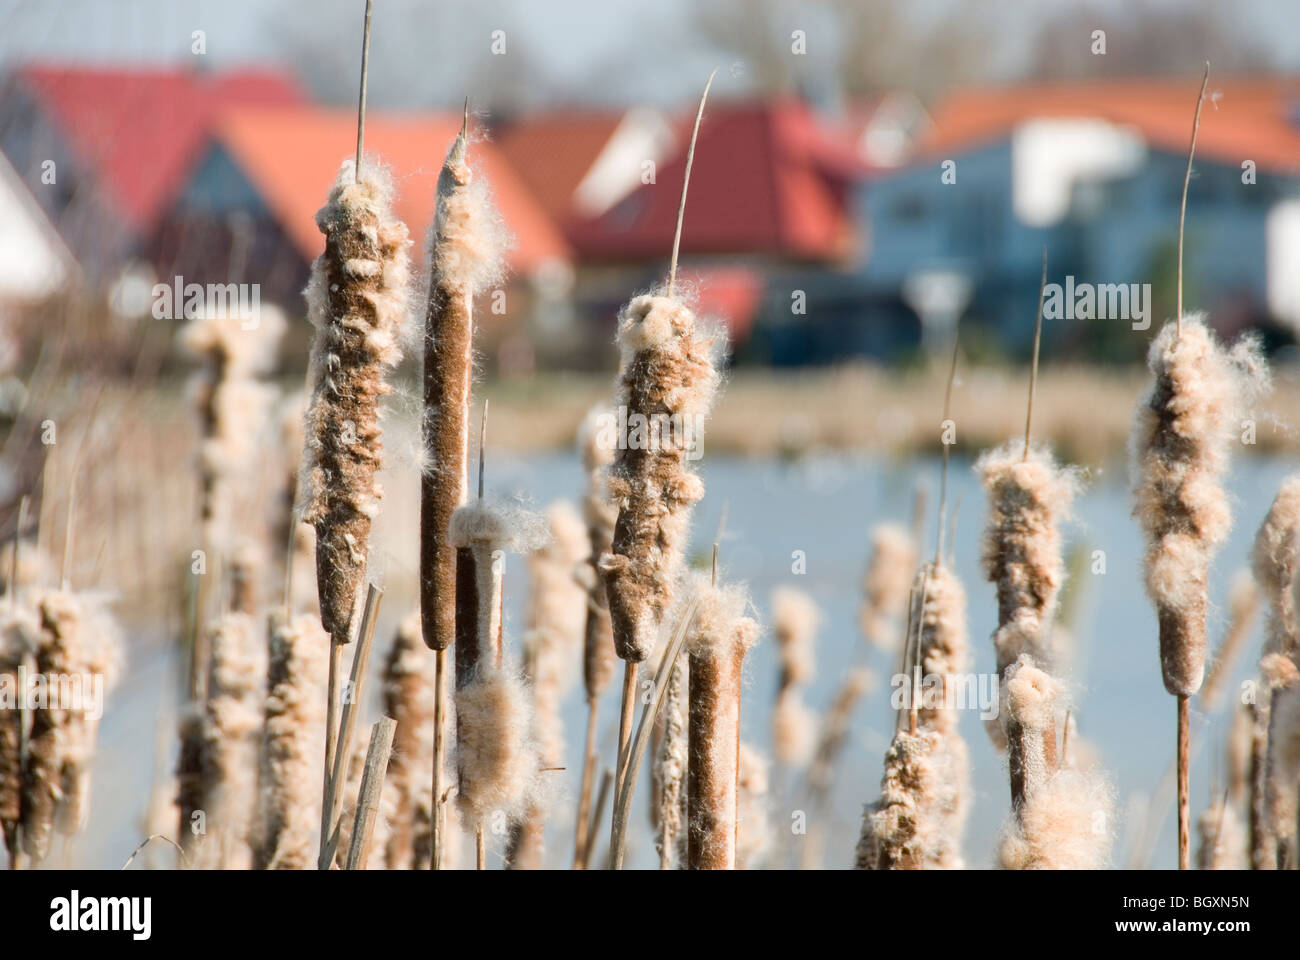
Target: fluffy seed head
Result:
[[885, 587], [1180, 447], [495, 755]]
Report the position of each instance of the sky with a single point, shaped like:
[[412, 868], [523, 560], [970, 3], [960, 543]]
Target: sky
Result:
[[430, 53]]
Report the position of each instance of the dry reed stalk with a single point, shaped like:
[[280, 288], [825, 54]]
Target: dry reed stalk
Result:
[[78, 638], [293, 746], [598, 657], [683, 621], [408, 690], [597, 814], [555, 619], [372, 785], [795, 618], [1243, 603], [333, 793], [717, 645], [886, 584], [231, 730]]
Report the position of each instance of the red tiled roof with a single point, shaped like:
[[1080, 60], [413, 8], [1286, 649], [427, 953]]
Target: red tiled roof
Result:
[[767, 179], [139, 131], [292, 157], [553, 152], [1244, 118]]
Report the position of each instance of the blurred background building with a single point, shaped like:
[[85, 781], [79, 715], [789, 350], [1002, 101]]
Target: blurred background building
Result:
[[859, 163]]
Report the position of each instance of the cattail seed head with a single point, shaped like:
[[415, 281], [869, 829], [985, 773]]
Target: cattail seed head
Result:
[[356, 299], [717, 641], [1029, 497], [600, 515], [886, 584], [1180, 450], [1274, 562], [496, 758], [669, 373], [465, 246], [78, 638], [794, 624], [293, 742], [408, 691]]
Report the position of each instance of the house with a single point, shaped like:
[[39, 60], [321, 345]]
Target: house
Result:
[[248, 210], [1094, 171], [37, 264], [104, 151], [769, 197]]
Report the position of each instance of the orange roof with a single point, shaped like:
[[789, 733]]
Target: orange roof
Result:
[[553, 152], [1244, 118], [292, 157]]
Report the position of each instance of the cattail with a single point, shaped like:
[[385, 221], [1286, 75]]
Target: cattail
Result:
[[898, 830], [556, 620], [835, 729], [598, 657], [290, 531], [1222, 838], [356, 299], [753, 826], [1029, 497], [668, 796], [600, 515], [1063, 825], [464, 246], [718, 640], [943, 646], [293, 747], [232, 724], [666, 389], [886, 584], [19, 633], [1274, 565], [1060, 814], [78, 643], [1243, 602], [496, 758], [794, 624], [408, 688], [497, 761], [233, 351], [1180, 446]]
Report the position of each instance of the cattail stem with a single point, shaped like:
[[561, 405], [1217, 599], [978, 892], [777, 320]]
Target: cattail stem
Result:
[[361, 96], [1038, 339], [597, 813], [1184, 799], [347, 723], [623, 796], [686, 180], [628, 705], [372, 784], [584, 794], [439, 753], [1187, 179]]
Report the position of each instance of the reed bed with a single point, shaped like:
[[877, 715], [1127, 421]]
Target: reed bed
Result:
[[279, 765]]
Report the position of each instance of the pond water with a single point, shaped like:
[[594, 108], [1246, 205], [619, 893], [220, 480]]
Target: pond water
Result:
[[823, 506]]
